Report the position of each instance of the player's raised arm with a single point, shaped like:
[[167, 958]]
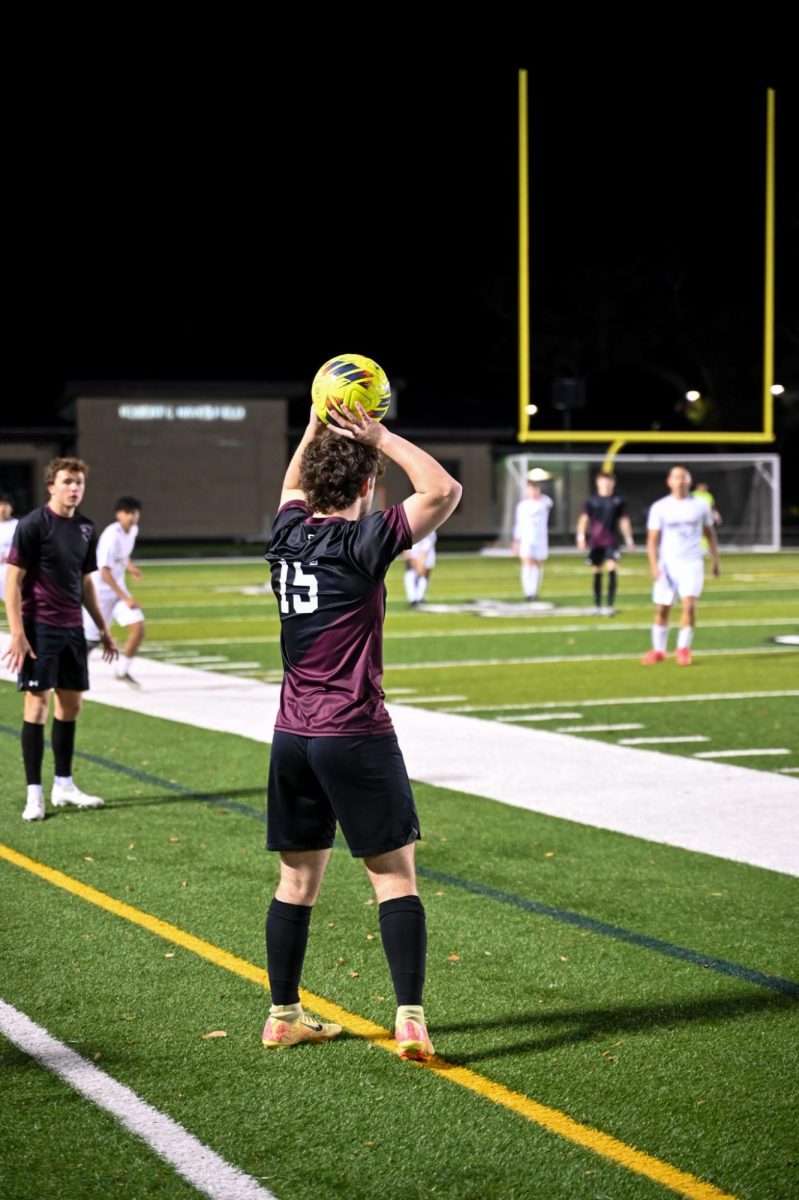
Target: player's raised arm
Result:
[[436, 493], [291, 481]]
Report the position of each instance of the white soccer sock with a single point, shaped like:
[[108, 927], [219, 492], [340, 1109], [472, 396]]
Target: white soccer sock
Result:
[[534, 577], [64, 781], [286, 1012], [525, 576], [410, 585], [124, 664], [409, 1012], [34, 791], [421, 587], [685, 637], [660, 638]]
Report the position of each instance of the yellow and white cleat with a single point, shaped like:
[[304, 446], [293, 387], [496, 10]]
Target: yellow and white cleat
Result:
[[278, 1032]]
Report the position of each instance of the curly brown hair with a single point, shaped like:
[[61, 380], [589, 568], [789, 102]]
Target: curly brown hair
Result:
[[64, 464], [333, 470]]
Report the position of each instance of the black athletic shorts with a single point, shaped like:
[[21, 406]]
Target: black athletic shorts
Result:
[[600, 554], [60, 662], [360, 781]]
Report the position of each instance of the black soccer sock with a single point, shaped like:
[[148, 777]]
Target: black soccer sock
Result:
[[32, 751], [63, 739], [598, 589], [404, 933], [286, 938], [612, 581]]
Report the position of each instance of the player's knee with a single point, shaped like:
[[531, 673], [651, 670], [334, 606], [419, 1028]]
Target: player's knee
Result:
[[37, 705], [67, 707]]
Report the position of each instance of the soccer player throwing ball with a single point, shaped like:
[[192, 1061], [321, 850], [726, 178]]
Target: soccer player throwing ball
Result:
[[335, 756], [674, 544]]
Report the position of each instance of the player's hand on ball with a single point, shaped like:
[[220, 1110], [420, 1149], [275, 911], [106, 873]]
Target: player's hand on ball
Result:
[[355, 424]]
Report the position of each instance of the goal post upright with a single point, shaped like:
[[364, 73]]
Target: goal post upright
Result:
[[526, 435]]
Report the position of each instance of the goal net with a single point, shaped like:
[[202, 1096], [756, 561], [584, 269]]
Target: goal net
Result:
[[745, 490]]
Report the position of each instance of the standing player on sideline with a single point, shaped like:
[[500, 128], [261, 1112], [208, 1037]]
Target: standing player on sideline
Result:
[[116, 603], [674, 545], [604, 518], [531, 533], [49, 577], [335, 755], [420, 560], [7, 527]]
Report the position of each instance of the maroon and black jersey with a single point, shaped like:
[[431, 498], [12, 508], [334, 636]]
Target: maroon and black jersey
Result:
[[327, 575], [55, 552], [604, 514]]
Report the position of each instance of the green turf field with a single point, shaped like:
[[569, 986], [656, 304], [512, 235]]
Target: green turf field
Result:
[[645, 992]]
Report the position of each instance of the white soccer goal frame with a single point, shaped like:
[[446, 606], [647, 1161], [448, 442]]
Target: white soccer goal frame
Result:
[[564, 489]]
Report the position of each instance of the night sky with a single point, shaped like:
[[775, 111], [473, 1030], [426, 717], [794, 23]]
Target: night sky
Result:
[[219, 217]]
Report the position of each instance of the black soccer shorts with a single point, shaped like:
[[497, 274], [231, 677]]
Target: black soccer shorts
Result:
[[60, 662], [359, 781], [600, 554]]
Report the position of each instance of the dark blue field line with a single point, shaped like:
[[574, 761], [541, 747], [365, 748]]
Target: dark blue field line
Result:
[[775, 982]]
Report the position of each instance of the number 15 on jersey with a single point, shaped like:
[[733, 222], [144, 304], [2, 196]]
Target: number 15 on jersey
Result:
[[302, 579]]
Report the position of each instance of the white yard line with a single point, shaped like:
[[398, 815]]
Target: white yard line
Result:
[[555, 660], [605, 626], [596, 728], [662, 741], [201, 1166], [739, 753], [555, 716], [615, 700]]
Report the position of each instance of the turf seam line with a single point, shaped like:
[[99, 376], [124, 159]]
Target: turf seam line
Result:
[[550, 1119], [725, 967], [187, 1155]]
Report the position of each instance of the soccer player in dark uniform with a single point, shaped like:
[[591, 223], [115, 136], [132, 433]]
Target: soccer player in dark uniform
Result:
[[48, 579], [600, 526], [335, 756]]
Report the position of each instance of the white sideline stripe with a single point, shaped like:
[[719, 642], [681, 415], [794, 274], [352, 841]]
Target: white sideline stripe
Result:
[[555, 716], [502, 631], [712, 807], [662, 741], [739, 753], [546, 660], [607, 703], [788, 770], [201, 1166], [434, 699], [596, 728]]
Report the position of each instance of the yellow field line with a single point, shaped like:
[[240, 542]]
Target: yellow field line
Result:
[[550, 1119]]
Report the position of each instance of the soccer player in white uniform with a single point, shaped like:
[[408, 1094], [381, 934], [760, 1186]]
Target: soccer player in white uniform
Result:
[[531, 536], [419, 563], [7, 526], [116, 603], [675, 526]]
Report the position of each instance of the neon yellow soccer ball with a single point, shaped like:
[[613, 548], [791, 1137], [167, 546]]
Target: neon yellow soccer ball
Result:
[[348, 379]]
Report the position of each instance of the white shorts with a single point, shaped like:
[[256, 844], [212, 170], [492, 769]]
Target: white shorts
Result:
[[537, 550], [113, 610], [428, 557], [681, 579]]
